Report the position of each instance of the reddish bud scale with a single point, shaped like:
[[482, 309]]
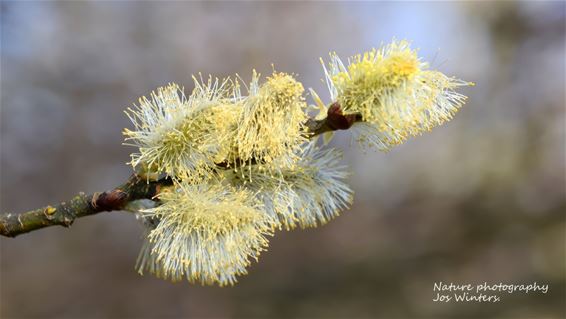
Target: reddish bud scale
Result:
[[111, 200], [336, 120]]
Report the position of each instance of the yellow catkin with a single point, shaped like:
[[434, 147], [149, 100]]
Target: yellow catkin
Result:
[[206, 233], [271, 122], [182, 136], [395, 93], [307, 194]]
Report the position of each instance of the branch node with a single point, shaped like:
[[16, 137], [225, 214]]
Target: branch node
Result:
[[49, 211]]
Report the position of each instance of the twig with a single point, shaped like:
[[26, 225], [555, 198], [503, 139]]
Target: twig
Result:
[[82, 205], [64, 214]]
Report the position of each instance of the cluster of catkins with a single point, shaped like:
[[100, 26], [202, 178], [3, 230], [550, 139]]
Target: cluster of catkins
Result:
[[244, 166]]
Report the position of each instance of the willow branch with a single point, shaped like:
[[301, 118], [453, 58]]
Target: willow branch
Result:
[[135, 188], [65, 213]]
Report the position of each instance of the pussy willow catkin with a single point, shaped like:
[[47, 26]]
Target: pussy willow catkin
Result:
[[245, 165]]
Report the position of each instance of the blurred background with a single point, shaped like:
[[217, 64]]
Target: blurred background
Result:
[[480, 199]]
